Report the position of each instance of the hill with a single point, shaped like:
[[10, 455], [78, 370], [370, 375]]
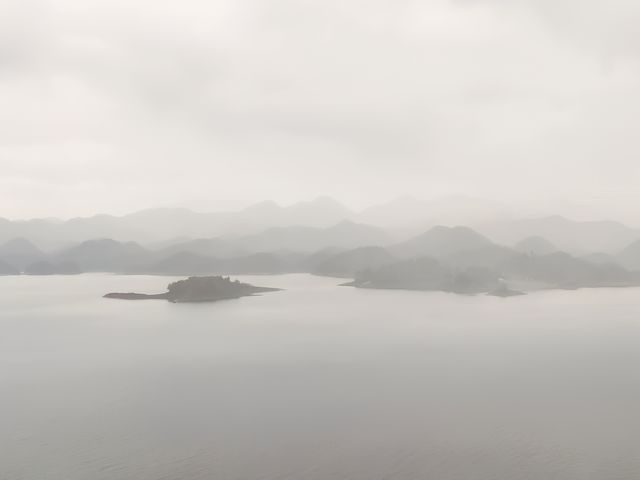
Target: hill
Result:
[[562, 270], [535, 245], [428, 274], [481, 273], [7, 269], [159, 224], [187, 263], [348, 264], [105, 255], [567, 235], [44, 267], [345, 234], [209, 247], [409, 212], [629, 257], [181, 263], [439, 242], [20, 252]]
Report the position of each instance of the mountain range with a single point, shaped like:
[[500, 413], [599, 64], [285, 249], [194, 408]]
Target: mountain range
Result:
[[572, 236], [456, 259], [325, 238], [268, 224]]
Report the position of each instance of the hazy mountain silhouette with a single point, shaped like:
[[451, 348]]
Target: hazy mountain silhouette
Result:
[[8, 269], [263, 263], [320, 236], [567, 235], [428, 274], [310, 262], [210, 247], [629, 257], [565, 271], [182, 263], [321, 212], [535, 245], [345, 234], [187, 263], [491, 256], [401, 212], [155, 225], [20, 252], [409, 212], [105, 255], [555, 270], [44, 267], [440, 241], [349, 263], [600, 258]]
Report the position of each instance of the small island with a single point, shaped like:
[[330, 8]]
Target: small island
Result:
[[198, 289]]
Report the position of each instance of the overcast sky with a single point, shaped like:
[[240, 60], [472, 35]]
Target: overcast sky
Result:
[[116, 105]]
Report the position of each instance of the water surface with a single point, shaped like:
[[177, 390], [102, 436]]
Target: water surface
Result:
[[316, 382]]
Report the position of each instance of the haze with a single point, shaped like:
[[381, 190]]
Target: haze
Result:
[[114, 106]]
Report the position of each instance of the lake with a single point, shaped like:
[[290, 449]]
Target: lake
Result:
[[316, 382]]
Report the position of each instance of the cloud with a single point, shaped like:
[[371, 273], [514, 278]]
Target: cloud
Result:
[[118, 105]]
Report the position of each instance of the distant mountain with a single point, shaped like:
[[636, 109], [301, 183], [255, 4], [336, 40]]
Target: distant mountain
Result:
[[44, 267], [567, 235], [535, 245], [428, 274], [440, 242], [311, 262], [105, 255], [348, 264], [7, 269], [20, 252], [159, 224], [181, 263], [492, 256], [600, 258], [263, 263], [565, 271], [400, 212], [345, 234], [415, 274], [556, 270], [629, 257], [187, 263], [209, 247], [321, 212], [409, 212]]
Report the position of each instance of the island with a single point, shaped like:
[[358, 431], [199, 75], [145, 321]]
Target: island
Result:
[[198, 289]]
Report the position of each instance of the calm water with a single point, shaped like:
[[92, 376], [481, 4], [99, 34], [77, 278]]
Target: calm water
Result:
[[316, 382]]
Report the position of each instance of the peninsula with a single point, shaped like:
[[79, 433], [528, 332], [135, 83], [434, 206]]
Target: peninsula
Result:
[[198, 289]]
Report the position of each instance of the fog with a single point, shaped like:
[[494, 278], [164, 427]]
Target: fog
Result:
[[319, 239], [115, 106]]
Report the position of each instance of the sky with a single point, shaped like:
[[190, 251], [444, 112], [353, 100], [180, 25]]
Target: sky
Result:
[[117, 105]]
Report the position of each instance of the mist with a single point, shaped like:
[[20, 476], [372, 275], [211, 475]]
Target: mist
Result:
[[113, 107], [319, 239]]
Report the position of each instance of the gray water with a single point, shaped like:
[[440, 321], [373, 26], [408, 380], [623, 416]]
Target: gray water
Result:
[[316, 382]]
